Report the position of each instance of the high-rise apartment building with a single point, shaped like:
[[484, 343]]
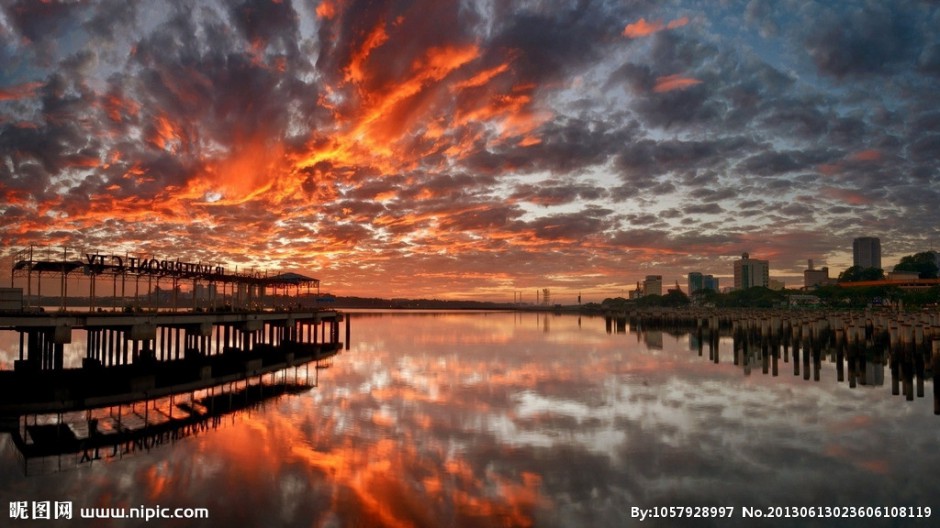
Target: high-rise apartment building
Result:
[[750, 272], [710, 282], [698, 281], [653, 285], [866, 252]]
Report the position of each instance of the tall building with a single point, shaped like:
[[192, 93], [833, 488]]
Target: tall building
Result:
[[710, 282], [866, 252], [653, 285], [750, 272], [698, 281]]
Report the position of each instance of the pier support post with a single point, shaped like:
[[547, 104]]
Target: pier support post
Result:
[[907, 363]]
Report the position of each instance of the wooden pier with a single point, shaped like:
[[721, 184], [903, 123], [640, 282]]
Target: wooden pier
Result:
[[188, 353], [211, 326], [134, 356]]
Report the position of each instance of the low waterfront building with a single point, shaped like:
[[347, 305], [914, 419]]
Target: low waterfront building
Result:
[[813, 278]]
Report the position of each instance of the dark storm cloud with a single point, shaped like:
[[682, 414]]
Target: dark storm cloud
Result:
[[571, 144], [112, 18], [763, 15], [679, 108], [800, 118], [641, 238], [926, 123], [677, 52], [640, 161], [926, 148], [929, 59], [59, 141], [266, 23], [556, 42], [875, 39], [773, 162], [752, 205], [643, 219], [493, 216], [638, 78], [711, 208], [42, 24], [449, 186], [197, 71], [571, 227], [558, 192]]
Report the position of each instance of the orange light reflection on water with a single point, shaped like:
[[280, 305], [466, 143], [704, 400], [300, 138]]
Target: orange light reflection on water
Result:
[[518, 420]]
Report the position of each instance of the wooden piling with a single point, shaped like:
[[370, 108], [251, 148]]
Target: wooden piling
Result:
[[919, 358], [907, 363], [935, 367], [894, 352], [840, 354]]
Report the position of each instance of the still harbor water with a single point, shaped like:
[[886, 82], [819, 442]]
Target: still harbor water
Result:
[[509, 419]]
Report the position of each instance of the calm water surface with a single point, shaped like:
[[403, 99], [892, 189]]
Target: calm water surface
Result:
[[503, 419]]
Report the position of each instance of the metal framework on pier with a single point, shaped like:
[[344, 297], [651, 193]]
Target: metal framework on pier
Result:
[[211, 286]]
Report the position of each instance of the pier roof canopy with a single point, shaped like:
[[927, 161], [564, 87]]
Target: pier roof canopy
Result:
[[291, 279]]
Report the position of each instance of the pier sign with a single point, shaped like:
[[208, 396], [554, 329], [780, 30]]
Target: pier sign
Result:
[[151, 266]]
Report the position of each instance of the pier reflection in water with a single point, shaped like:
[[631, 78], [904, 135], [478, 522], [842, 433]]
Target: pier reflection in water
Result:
[[55, 442], [528, 419]]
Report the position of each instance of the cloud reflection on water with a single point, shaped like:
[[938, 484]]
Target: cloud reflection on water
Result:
[[489, 420]]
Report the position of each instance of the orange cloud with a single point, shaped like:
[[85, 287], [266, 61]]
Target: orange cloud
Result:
[[863, 156], [377, 37], [642, 28], [846, 195], [20, 91], [674, 82], [482, 78], [117, 107], [326, 10], [866, 155], [165, 134], [389, 116]]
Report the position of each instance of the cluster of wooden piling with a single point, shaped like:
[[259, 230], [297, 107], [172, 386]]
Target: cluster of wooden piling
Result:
[[909, 343]]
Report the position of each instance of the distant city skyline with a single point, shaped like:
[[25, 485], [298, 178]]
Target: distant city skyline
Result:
[[449, 149]]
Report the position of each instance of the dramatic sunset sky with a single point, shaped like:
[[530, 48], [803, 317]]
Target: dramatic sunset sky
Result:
[[444, 148]]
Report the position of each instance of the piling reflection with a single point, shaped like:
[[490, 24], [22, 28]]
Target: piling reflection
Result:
[[865, 345], [490, 420]]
